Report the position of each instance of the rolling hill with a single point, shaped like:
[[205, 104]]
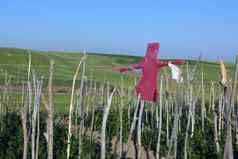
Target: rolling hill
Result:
[[98, 66]]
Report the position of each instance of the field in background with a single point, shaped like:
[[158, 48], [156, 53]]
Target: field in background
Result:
[[99, 67], [101, 118]]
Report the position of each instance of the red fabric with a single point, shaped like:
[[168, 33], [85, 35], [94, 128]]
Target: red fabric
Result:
[[147, 87], [150, 65], [163, 64]]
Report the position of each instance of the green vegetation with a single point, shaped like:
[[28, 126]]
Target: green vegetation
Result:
[[191, 119], [98, 66]]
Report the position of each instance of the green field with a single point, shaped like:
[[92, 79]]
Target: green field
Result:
[[99, 67], [178, 105]]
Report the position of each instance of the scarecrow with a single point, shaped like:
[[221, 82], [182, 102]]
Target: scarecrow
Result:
[[150, 66]]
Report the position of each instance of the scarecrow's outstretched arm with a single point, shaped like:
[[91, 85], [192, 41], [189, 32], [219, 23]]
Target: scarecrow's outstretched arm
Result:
[[130, 68], [176, 62]]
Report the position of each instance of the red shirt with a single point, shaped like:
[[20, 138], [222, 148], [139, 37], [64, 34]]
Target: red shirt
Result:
[[150, 65]]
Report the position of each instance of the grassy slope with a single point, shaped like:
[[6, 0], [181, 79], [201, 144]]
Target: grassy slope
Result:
[[98, 65], [14, 61]]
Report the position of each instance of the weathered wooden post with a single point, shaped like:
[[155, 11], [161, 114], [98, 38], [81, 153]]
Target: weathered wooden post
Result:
[[104, 125], [228, 148], [160, 119], [71, 106], [50, 113]]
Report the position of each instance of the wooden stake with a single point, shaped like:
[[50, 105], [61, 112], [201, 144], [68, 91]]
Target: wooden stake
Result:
[[104, 124], [71, 106], [160, 120]]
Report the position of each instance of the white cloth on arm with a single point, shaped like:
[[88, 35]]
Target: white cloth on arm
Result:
[[176, 72]]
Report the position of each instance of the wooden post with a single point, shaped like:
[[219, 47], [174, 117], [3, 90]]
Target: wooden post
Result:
[[37, 96], [104, 124], [24, 123], [81, 110], [189, 119], [50, 113], [160, 120], [228, 148], [227, 86], [71, 106], [139, 129], [203, 103], [93, 115], [234, 94], [121, 117]]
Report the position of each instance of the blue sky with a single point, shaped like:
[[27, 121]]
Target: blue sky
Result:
[[185, 29]]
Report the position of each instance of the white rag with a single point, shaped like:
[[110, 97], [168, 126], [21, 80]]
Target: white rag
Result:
[[176, 72]]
